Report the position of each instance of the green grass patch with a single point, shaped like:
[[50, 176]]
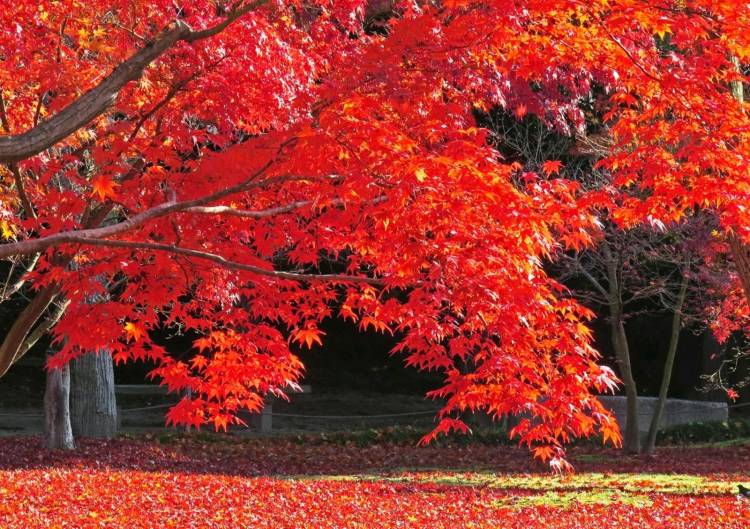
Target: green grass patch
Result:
[[658, 483], [592, 485], [566, 500], [519, 491]]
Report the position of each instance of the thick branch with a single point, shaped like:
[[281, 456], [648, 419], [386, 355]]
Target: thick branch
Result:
[[14, 169], [91, 104], [94, 102], [41, 330], [252, 214], [22, 325], [31, 246]]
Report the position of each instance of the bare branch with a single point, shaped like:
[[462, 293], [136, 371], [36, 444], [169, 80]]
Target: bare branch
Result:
[[591, 279], [18, 285]]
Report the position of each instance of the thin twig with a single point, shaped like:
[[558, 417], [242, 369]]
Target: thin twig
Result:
[[226, 263]]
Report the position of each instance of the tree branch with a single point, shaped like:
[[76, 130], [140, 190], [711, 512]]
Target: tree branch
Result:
[[270, 212], [22, 325], [226, 263], [14, 169], [31, 246], [173, 91], [594, 283], [93, 103], [41, 330], [253, 214], [18, 285], [236, 12]]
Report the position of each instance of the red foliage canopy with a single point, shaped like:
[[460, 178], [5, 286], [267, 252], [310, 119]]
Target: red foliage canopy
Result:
[[244, 170]]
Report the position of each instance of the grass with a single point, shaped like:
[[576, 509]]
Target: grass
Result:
[[560, 492], [658, 483], [567, 500]]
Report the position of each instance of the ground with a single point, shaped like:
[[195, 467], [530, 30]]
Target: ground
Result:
[[209, 482]]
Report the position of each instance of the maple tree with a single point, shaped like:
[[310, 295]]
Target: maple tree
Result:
[[624, 274], [244, 170], [676, 137]]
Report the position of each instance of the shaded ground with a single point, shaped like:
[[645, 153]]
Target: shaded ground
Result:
[[219, 482]]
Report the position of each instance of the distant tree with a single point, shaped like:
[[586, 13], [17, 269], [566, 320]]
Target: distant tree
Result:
[[625, 273]]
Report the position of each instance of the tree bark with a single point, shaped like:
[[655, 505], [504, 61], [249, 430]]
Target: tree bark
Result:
[[741, 258], [632, 441], [668, 365], [92, 398], [14, 339], [58, 433]]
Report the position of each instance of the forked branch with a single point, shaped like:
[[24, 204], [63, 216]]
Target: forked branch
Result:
[[17, 147]]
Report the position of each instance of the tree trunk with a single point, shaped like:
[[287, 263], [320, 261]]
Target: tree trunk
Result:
[[741, 258], [668, 364], [92, 398], [58, 434], [632, 441]]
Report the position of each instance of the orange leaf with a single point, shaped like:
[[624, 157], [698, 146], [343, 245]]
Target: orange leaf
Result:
[[103, 187], [551, 167], [308, 337], [134, 331]]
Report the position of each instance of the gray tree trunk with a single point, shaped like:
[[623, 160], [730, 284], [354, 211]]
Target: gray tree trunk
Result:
[[92, 398], [58, 434], [668, 365], [632, 441]]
